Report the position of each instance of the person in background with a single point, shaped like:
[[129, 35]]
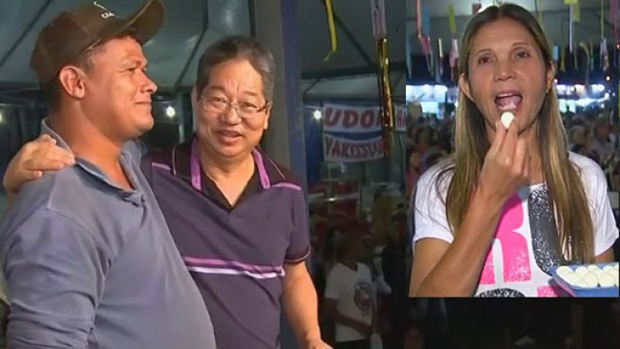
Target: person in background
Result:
[[432, 158], [614, 129], [591, 152], [88, 257], [580, 149], [414, 169], [601, 143], [577, 136], [581, 140], [423, 139], [349, 295], [395, 276], [414, 337]]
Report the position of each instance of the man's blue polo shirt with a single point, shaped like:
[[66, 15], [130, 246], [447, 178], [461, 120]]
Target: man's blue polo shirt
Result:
[[89, 264]]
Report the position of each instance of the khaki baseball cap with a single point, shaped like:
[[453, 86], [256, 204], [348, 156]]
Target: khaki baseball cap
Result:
[[85, 27]]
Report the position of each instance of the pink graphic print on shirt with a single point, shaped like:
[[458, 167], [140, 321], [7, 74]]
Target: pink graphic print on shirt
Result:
[[514, 247]]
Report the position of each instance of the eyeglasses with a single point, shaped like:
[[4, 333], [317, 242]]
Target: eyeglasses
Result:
[[245, 110]]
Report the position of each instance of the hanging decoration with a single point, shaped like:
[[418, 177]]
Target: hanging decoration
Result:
[[584, 46], [423, 37], [383, 62], [591, 63], [426, 29], [613, 13], [440, 57], [575, 62], [454, 45], [332, 29], [562, 58], [409, 53], [571, 27], [603, 52], [575, 18], [576, 13]]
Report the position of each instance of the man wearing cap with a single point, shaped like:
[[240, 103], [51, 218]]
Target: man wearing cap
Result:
[[87, 255]]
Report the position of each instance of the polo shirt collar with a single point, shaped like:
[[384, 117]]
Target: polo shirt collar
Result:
[[91, 168], [188, 166]]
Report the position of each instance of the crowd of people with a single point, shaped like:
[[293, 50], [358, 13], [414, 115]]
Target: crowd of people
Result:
[[360, 275], [594, 133]]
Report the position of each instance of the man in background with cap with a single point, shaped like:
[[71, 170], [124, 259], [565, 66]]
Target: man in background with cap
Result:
[[87, 255]]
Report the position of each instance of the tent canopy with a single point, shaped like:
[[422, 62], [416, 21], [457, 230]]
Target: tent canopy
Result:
[[192, 25]]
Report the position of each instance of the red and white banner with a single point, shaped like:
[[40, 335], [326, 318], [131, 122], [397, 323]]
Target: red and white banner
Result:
[[347, 150], [349, 119]]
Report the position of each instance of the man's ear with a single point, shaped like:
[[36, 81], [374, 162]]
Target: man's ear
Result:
[[268, 115], [71, 80], [464, 86]]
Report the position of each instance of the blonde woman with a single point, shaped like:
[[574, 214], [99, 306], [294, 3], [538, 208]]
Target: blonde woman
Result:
[[510, 203]]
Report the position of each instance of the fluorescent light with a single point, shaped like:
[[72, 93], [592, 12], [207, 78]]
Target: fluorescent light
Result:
[[584, 102], [317, 115]]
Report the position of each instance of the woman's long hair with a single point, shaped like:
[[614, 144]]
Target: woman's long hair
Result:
[[567, 196]]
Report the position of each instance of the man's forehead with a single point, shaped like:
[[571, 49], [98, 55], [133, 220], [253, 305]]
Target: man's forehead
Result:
[[222, 87], [124, 49]]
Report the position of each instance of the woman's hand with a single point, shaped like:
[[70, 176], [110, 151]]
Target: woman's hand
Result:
[[506, 165]]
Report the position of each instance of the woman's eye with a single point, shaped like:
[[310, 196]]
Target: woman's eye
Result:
[[523, 54], [484, 59]]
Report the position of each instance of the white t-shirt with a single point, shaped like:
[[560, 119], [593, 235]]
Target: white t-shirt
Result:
[[354, 295], [523, 249]]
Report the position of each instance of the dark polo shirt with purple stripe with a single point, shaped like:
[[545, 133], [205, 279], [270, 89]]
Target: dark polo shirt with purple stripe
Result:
[[235, 254]]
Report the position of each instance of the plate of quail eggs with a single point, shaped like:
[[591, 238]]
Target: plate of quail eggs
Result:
[[591, 280]]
